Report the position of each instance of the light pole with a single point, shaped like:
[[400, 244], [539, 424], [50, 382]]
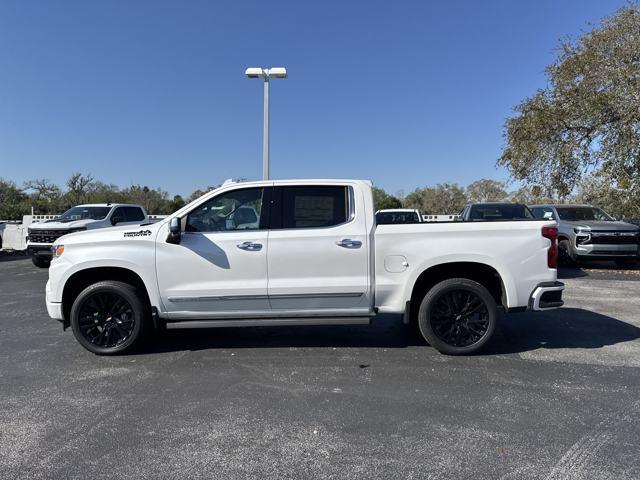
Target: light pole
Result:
[[266, 74]]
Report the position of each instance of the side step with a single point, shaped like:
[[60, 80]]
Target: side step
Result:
[[267, 322]]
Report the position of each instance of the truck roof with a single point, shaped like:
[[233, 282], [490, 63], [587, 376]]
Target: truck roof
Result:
[[294, 181], [560, 205], [109, 205]]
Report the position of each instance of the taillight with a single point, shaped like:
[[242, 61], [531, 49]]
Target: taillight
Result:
[[552, 253]]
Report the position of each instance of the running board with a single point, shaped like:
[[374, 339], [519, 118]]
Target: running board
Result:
[[268, 322]]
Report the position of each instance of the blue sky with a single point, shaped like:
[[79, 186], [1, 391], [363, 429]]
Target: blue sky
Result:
[[407, 94]]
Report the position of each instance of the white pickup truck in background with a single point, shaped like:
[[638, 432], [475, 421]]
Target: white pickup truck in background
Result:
[[313, 256], [82, 217]]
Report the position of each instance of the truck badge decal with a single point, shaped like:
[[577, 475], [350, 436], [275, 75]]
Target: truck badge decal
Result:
[[139, 233]]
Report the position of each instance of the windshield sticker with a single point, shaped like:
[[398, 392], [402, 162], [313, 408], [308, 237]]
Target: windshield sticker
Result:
[[139, 233]]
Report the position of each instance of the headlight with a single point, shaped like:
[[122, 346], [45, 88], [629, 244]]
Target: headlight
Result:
[[57, 250], [585, 230]]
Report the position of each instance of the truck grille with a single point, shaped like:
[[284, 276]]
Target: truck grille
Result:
[[45, 236], [615, 238]]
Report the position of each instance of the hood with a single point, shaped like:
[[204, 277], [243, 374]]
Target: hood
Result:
[[57, 225], [598, 225], [113, 234]]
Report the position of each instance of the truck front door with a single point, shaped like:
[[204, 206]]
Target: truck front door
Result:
[[219, 269]]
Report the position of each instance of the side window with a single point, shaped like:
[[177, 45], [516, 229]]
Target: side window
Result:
[[235, 210], [314, 206], [134, 214], [118, 216]]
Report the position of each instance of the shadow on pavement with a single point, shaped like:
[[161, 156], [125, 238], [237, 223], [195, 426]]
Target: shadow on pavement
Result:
[[516, 333], [12, 256], [563, 328], [566, 272]]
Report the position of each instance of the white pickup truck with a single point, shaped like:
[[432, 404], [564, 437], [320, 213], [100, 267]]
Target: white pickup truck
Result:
[[42, 235], [299, 252]]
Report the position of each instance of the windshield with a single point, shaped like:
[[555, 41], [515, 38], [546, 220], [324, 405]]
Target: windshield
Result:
[[488, 212], [573, 214], [386, 218], [83, 213]]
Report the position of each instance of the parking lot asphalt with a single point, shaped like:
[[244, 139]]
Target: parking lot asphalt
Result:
[[555, 396]]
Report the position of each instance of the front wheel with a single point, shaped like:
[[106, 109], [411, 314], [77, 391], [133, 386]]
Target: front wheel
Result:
[[565, 257], [457, 316], [109, 318]]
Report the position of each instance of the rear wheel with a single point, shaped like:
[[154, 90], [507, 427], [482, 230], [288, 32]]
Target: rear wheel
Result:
[[457, 316], [109, 318], [41, 262]]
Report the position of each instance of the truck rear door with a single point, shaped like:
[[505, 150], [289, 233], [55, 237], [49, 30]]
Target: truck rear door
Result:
[[318, 255]]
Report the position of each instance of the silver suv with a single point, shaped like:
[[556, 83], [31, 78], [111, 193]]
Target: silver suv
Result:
[[586, 232]]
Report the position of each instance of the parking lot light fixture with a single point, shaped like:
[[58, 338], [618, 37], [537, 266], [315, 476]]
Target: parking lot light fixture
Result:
[[266, 74]]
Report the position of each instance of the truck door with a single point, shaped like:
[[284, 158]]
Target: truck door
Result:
[[318, 251], [220, 266]]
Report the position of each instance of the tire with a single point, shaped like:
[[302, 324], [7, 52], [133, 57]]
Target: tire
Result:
[[445, 325], [109, 318], [565, 257], [40, 262], [627, 263]]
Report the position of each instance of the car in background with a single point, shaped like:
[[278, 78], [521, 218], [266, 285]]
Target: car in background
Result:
[[589, 233], [77, 219], [393, 216], [495, 211]]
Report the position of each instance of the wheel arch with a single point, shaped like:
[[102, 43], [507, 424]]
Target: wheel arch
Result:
[[484, 274], [81, 279]]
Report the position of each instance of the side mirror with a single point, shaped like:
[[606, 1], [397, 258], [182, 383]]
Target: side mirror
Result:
[[174, 231], [116, 220]]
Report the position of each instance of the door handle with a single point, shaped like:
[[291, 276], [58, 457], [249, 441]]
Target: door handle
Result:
[[250, 246], [348, 243]]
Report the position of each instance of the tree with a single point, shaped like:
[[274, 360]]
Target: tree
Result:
[[486, 190], [45, 197], [198, 193], [588, 117], [382, 200], [176, 204], [77, 187], [443, 199], [13, 201], [153, 200], [43, 189], [599, 191]]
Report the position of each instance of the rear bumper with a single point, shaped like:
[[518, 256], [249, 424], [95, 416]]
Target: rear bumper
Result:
[[546, 296]]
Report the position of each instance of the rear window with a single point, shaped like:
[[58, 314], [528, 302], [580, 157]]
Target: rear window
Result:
[[388, 218], [489, 212], [134, 214]]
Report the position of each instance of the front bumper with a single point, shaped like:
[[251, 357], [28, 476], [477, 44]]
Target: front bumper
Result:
[[546, 296], [54, 309], [39, 250]]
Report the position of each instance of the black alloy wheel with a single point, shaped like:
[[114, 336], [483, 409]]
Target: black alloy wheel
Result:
[[457, 316], [106, 319], [109, 317]]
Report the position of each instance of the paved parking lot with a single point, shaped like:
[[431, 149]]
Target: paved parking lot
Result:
[[556, 396]]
